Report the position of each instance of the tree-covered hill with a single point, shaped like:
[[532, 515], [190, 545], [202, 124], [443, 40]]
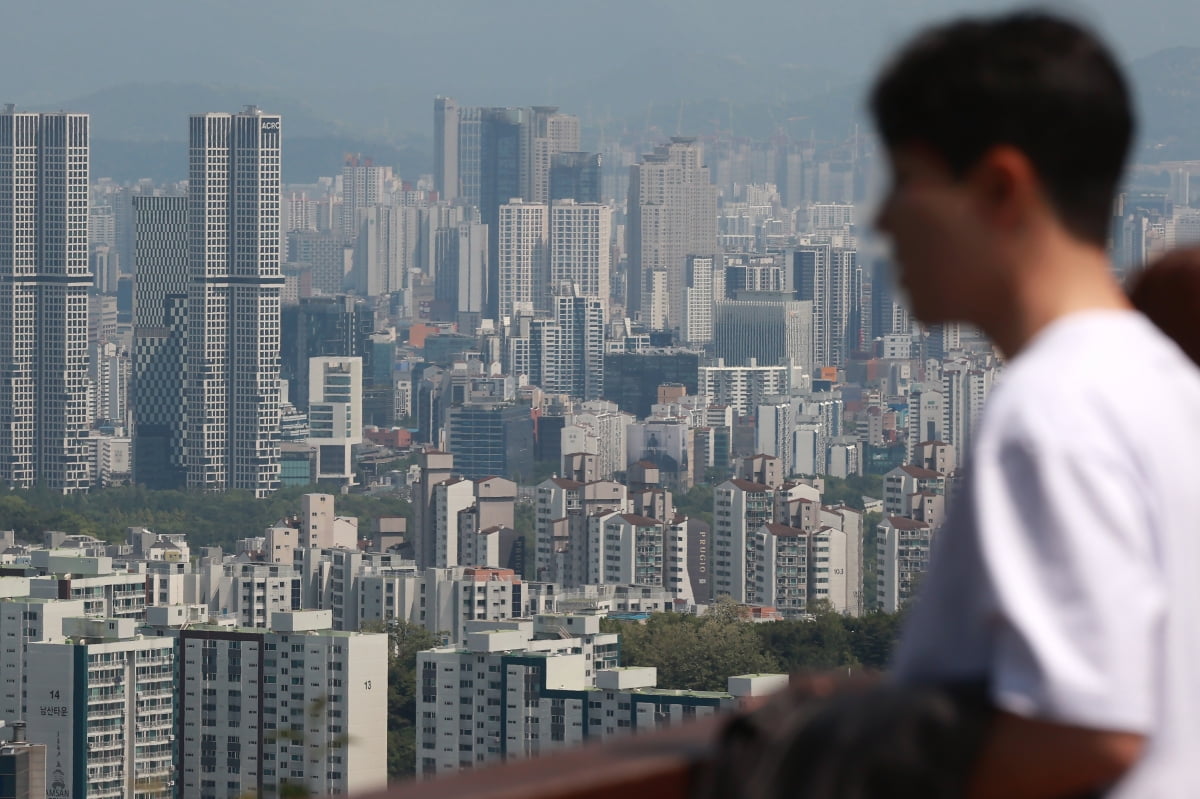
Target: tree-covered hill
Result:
[[208, 519]]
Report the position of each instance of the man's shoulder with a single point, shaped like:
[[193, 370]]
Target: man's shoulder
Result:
[[1091, 378]]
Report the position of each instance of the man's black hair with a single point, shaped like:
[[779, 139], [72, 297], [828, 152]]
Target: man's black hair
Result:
[[1036, 82]]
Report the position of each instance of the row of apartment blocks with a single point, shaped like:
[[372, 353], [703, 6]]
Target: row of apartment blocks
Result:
[[181, 704], [177, 706], [357, 588], [914, 508], [775, 544], [526, 687]]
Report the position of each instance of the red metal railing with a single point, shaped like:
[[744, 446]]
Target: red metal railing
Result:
[[657, 765]]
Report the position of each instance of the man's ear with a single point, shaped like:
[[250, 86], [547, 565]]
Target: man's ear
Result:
[[1005, 187]]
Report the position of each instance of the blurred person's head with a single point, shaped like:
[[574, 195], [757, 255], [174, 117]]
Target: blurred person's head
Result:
[[1168, 291], [1001, 132]]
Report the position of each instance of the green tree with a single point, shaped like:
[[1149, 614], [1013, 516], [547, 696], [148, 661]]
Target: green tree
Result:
[[694, 652], [696, 503], [405, 641], [873, 637], [819, 643], [850, 491], [208, 519]]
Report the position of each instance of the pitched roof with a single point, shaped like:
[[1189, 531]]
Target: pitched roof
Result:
[[640, 521], [920, 473], [905, 523]]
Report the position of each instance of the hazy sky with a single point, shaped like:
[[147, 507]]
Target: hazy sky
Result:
[[481, 51]]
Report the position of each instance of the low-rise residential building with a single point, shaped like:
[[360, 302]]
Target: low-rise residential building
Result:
[[524, 689], [902, 556]]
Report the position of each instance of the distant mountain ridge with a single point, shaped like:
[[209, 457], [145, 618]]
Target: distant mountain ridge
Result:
[[159, 111], [1167, 85], [138, 129]]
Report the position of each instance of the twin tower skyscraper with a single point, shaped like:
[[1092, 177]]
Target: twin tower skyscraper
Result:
[[207, 288]]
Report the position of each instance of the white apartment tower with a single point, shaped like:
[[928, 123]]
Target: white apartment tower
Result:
[[363, 185], [741, 508], [522, 255], [672, 214], [105, 709], [44, 281], [829, 278], [23, 621], [579, 247], [903, 548], [379, 255], [573, 350], [233, 302], [699, 294], [298, 704], [546, 133]]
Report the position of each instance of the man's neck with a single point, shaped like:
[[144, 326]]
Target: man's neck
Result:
[[1068, 277]]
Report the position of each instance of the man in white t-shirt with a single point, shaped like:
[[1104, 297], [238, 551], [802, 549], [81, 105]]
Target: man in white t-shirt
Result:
[[1068, 573]]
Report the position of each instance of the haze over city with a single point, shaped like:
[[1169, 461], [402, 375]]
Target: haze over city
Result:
[[363, 71], [393, 389]]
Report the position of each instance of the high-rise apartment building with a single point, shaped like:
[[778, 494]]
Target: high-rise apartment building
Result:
[[26, 620], [672, 214], [903, 547], [698, 293], [105, 708], [233, 302], [329, 257], [573, 355], [545, 134], [580, 252], [742, 508], [379, 253], [364, 185], [44, 281], [503, 154], [743, 388], [522, 257], [461, 282], [297, 704], [521, 688], [108, 383], [831, 279]]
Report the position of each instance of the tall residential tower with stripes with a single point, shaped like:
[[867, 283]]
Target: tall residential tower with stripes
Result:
[[234, 284], [44, 281]]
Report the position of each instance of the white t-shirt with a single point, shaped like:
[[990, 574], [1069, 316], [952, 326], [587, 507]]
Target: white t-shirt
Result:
[[1068, 571]]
